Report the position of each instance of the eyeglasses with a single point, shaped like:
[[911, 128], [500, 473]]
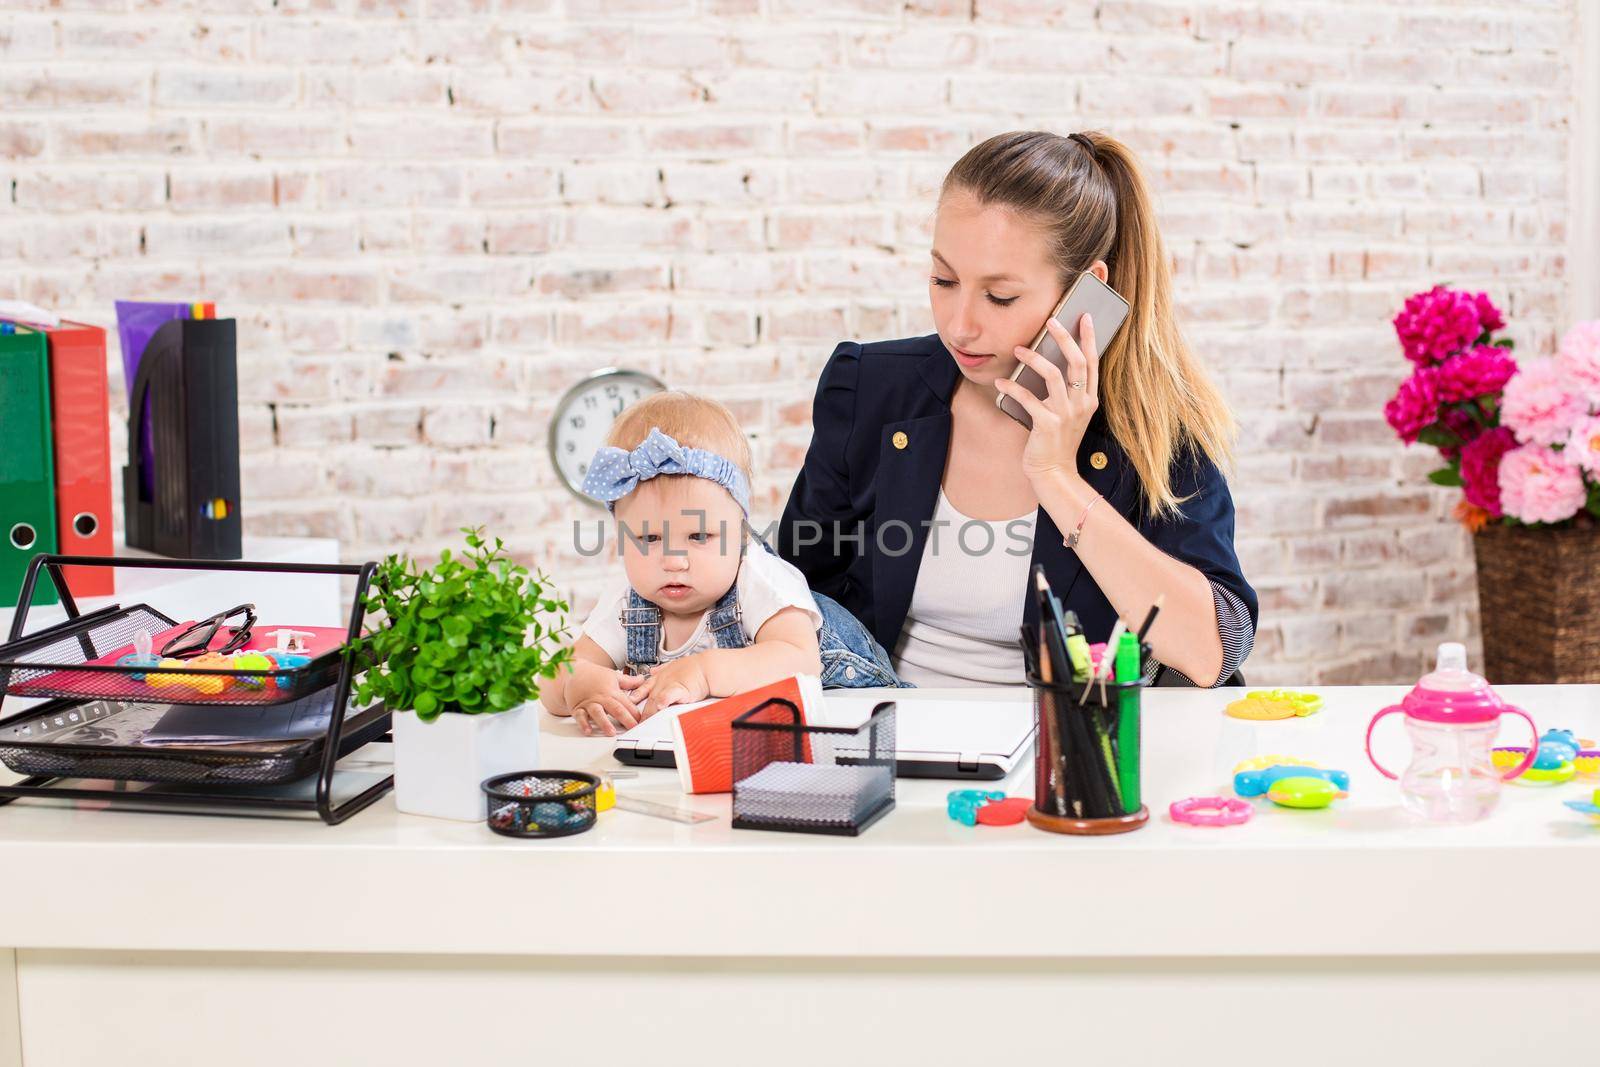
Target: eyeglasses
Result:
[[193, 641]]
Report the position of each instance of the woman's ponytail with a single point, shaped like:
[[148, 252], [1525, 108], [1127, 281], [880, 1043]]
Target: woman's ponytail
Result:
[[1162, 402]]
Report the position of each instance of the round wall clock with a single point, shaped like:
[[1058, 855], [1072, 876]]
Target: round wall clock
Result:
[[584, 416]]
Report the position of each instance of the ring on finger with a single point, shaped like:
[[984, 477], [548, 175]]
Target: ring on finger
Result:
[[1076, 385]]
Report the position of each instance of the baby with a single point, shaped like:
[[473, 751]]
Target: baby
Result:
[[703, 610]]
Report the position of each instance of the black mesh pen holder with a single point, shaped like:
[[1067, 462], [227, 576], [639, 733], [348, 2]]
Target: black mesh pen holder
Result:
[[541, 803], [1086, 770], [811, 779]]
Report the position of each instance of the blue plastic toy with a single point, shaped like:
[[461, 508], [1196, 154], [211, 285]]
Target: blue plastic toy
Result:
[[291, 660], [1255, 783], [1556, 747], [1589, 807], [962, 804]]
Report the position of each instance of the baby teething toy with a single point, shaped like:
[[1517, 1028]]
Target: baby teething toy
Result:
[[289, 660], [1304, 792], [252, 661], [159, 680], [1261, 763], [1254, 783], [1559, 759], [1590, 807], [963, 805], [1210, 811], [1266, 705]]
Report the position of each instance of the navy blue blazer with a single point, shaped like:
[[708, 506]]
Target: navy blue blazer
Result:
[[855, 482]]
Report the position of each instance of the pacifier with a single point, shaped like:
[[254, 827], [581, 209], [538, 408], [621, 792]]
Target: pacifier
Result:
[[141, 656]]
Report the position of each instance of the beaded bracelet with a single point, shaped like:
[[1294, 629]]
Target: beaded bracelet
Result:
[[1071, 540]]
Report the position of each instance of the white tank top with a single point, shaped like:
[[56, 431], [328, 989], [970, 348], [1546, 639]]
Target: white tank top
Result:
[[962, 628]]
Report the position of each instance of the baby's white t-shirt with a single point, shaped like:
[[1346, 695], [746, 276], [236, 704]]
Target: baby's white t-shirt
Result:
[[766, 586]]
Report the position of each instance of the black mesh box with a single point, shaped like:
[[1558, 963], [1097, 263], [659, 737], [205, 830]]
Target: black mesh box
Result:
[[811, 779]]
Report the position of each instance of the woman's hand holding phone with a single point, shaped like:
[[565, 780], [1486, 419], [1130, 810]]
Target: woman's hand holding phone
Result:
[[1060, 419]]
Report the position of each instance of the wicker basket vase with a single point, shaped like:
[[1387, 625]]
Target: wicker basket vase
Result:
[[1539, 602]]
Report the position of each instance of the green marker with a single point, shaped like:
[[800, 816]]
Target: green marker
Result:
[[1127, 668]]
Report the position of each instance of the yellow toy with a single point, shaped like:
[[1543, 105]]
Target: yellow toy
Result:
[[1261, 763], [1267, 705], [209, 684]]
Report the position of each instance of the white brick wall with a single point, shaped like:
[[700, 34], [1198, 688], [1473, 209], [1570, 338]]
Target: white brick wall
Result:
[[431, 216]]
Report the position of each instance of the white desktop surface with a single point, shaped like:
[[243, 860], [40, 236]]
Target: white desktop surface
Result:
[[1294, 917]]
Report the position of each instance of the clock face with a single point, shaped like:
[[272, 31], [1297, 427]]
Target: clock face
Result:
[[584, 418]]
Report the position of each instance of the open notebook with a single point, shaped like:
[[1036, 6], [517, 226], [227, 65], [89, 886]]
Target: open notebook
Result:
[[936, 736]]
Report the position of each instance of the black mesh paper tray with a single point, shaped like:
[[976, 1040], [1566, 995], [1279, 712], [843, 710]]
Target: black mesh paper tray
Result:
[[104, 744], [54, 664]]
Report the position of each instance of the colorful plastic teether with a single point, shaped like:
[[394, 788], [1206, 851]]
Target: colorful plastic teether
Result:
[[1210, 811], [288, 660], [1590, 807], [1304, 793], [252, 661], [1261, 763], [1588, 762], [1558, 775], [1507, 756], [1553, 754], [962, 804], [1266, 705], [158, 680], [1255, 783], [1004, 812]]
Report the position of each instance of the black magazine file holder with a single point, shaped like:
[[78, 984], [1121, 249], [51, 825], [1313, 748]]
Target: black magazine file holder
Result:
[[189, 375]]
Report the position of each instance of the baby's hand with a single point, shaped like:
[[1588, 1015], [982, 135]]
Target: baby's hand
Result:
[[679, 681], [600, 696]]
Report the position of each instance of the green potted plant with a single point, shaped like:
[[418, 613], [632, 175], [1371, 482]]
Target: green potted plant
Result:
[[459, 650]]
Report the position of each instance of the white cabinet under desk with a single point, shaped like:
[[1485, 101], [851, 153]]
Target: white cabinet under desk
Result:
[[396, 939]]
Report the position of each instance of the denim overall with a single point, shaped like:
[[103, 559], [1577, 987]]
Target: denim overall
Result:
[[851, 657]]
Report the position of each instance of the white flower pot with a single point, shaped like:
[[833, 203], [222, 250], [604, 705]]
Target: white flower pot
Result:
[[439, 766]]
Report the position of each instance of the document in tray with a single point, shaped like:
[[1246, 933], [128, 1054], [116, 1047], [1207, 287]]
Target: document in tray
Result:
[[187, 724]]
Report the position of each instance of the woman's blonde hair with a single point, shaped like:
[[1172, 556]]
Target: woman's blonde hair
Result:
[[1089, 194], [692, 421]]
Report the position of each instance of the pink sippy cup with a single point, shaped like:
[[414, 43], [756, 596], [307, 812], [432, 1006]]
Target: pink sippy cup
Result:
[[1452, 716]]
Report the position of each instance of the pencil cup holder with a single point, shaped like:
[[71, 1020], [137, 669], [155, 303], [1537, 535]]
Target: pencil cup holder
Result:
[[541, 803], [1086, 757], [811, 779]]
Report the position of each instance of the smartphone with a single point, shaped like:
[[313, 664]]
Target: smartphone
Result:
[[1088, 295]]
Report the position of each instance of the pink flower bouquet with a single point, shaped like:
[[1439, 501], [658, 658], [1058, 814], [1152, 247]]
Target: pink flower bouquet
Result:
[[1523, 443]]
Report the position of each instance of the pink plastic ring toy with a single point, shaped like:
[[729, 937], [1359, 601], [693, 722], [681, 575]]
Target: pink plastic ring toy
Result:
[[1211, 811]]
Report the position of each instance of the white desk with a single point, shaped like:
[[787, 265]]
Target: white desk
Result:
[[1348, 935]]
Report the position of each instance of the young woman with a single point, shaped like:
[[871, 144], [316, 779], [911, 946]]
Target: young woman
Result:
[[922, 507]]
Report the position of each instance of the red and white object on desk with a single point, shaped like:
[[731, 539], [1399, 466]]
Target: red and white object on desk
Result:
[[703, 737]]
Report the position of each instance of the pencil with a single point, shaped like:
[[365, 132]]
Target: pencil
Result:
[[1047, 675], [1150, 619]]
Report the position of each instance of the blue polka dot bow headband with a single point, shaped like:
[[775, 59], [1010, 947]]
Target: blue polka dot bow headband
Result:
[[616, 472]]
